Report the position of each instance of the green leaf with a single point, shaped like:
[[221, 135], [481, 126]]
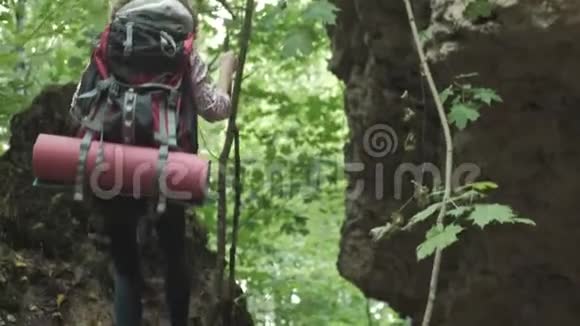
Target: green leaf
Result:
[[424, 214], [298, 43], [459, 211], [461, 114], [321, 10], [484, 214], [483, 185], [425, 35], [8, 58], [75, 61], [272, 14], [438, 238], [478, 9], [486, 95]]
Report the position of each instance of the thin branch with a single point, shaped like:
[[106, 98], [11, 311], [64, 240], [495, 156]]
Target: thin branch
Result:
[[211, 153], [236, 222], [43, 20], [230, 135], [448, 161], [225, 47], [22, 68], [228, 8], [249, 75], [368, 311], [226, 44]]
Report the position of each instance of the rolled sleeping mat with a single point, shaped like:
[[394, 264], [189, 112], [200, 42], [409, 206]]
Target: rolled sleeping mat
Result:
[[125, 170]]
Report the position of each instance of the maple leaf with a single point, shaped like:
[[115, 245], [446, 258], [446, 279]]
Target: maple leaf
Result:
[[461, 114], [484, 214], [486, 95], [459, 211], [438, 238], [298, 43], [321, 10]]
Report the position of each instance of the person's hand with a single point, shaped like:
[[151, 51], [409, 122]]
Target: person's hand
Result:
[[228, 65], [229, 62]]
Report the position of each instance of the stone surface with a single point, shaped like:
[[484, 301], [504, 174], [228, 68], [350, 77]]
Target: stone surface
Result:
[[527, 51]]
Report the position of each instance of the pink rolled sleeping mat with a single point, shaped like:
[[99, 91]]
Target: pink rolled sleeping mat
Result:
[[131, 169]]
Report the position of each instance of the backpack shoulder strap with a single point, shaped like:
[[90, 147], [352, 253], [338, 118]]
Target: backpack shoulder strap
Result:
[[189, 111], [189, 90]]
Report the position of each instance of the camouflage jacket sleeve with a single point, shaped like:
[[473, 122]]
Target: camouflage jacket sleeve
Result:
[[212, 103]]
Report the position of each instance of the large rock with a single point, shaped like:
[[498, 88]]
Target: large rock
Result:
[[528, 51], [54, 266]]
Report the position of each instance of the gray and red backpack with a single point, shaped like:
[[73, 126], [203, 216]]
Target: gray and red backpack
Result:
[[137, 88]]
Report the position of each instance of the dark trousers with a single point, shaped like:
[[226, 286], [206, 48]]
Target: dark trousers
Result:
[[121, 219]]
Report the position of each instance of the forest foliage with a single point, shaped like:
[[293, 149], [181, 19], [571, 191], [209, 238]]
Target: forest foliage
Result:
[[292, 129]]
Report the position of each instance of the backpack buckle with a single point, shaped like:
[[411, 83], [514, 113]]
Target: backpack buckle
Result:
[[128, 44], [129, 116], [168, 41], [114, 89], [172, 99]]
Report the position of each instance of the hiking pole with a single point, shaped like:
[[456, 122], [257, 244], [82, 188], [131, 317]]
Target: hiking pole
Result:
[[232, 136]]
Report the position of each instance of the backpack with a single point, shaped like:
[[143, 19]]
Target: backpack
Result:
[[137, 88]]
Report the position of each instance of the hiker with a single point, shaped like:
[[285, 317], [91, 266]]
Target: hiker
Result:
[[146, 37]]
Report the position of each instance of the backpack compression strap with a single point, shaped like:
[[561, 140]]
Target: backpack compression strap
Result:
[[91, 127], [93, 122], [167, 134], [167, 137]]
